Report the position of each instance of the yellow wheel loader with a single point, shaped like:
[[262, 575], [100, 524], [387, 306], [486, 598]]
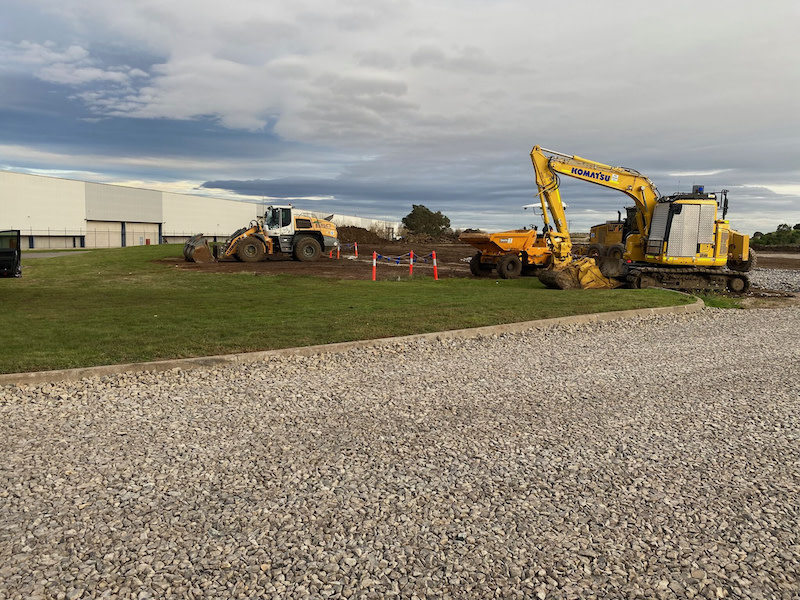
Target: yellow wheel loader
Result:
[[281, 231]]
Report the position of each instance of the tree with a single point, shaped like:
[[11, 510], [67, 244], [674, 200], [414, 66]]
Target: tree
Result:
[[796, 227], [424, 220], [784, 227]]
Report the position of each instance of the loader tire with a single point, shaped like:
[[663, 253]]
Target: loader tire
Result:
[[251, 249], [477, 268], [307, 249], [509, 267]]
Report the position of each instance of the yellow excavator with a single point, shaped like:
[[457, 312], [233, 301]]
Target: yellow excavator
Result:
[[675, 242]]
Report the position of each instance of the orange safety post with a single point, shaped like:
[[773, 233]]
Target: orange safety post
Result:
[[411, 263], [356, 245], [374, 264], [337, 252], [435, 269]]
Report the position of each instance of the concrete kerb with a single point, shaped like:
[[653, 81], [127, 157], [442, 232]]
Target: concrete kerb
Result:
[[250, 357]]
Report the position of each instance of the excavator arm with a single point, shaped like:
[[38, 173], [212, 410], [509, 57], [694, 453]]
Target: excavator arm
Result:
[[549, 164], [555, 221]]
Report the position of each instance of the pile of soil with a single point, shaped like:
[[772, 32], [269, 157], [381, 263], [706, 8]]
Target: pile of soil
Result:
[[359, 235]]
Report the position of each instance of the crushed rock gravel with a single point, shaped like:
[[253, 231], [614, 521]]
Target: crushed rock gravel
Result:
[[783, 280], [652, 457]]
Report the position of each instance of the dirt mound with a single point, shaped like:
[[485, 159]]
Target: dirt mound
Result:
[[349, 234]]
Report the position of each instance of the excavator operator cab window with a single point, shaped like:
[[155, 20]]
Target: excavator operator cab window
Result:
[[286, 217]]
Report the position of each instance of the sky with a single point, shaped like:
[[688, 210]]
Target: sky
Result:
[[367, 107]]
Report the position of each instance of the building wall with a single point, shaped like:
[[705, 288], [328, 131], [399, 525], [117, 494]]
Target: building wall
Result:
[[61, 213], [141, 234], [118, 203], [103, 234], [186, 215], [41, 206]]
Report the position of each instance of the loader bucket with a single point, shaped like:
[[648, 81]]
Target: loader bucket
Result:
[[197, 250], [581, 274]]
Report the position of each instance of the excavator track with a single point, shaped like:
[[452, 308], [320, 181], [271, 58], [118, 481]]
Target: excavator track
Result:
[[676, 278]]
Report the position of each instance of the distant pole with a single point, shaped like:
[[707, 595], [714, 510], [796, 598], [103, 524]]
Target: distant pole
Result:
[[410, 263], [435, 268], [374, 264], [356, 245]]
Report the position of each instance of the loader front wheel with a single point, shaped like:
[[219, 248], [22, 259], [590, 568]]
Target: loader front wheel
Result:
[[251, 249], [509, 267], [307, 249]]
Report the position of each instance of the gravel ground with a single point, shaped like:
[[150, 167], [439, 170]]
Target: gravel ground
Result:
[[783, 280], [654, 457]]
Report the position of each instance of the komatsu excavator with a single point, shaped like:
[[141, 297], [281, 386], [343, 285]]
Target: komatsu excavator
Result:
[[675, 242]]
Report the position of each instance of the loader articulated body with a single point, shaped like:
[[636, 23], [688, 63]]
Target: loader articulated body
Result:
[[281, 231]]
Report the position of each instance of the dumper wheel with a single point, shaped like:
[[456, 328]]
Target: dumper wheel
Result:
[[595, 250], [251, 249], [307, 249], [477, 268], [616, 251], [509, 267]]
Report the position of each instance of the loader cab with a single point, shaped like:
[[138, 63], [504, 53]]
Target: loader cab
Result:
[[279, 225], [279, 218]]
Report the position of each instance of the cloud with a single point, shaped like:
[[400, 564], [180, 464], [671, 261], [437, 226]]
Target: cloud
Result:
[[391, 101], [72, 66]]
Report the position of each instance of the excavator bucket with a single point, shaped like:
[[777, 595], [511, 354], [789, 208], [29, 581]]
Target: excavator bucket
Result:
[[580, 274], [197, 250]]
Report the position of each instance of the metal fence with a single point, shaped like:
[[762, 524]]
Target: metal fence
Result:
[[50, 238]]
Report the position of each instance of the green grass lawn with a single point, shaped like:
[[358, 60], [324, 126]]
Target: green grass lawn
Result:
[[120, 305]]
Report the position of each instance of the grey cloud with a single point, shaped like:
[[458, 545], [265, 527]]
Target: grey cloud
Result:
[[377, 60], [468, 60], [392, 102], [353, 87]]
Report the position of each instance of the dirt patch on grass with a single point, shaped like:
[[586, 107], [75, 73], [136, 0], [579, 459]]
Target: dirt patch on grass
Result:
[[392, 261], [452, 259]]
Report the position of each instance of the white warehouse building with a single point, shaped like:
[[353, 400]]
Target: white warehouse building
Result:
[[52, 212]]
